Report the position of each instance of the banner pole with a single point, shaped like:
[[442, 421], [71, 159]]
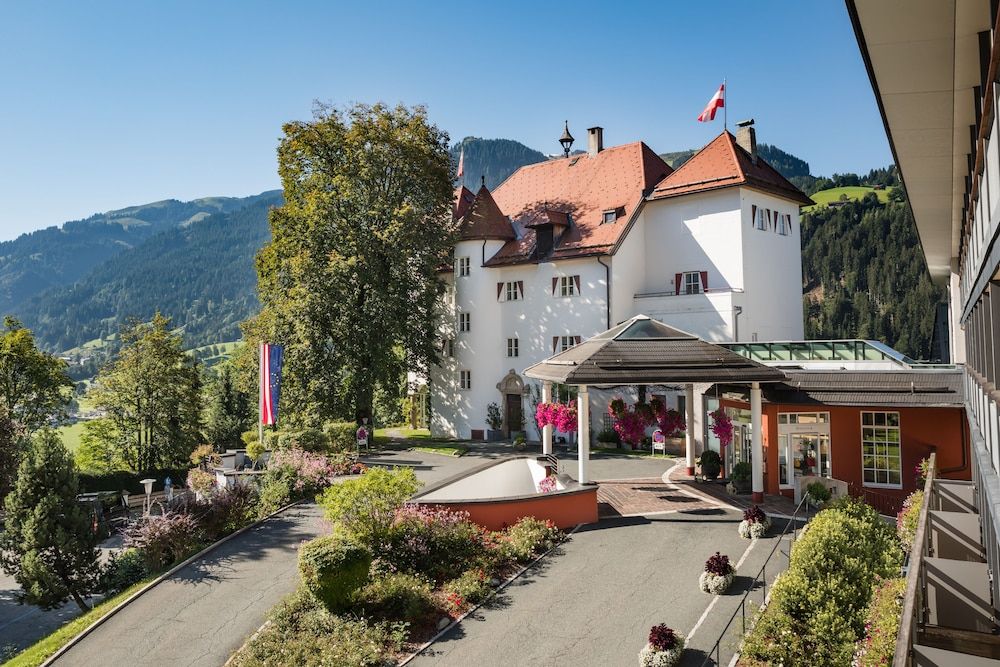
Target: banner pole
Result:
[[260, 396], [725, 105]]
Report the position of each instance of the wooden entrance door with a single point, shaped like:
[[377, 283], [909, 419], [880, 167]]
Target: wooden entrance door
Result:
[[513, 413]]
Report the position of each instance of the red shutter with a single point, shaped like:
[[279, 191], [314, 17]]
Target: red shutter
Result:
[[499, 290], [555, 344], [555, 283], [753, 215], [677, 283], [520, 289], [576, 340], [577, 280], [704, 281], [768, 218]]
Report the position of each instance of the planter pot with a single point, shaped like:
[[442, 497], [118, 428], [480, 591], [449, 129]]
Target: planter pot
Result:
[[753, 531], [494, 435], [675, 446], [713, 584], [739, 487], [650, 657]]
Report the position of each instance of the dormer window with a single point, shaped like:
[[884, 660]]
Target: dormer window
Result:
[[609, 217]]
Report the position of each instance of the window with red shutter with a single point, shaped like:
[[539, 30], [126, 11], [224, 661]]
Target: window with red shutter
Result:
[[499, 291], [520, 288], [576, 279], [555, 284], [677, 282], [555, 344], [704, 281]]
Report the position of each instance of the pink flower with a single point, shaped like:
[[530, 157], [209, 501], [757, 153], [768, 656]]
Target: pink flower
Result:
[[722, 427]]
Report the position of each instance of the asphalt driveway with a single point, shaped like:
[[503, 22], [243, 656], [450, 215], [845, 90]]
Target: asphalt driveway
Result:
[[205, 611]]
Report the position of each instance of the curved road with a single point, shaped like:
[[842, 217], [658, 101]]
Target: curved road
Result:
[[206, 610]]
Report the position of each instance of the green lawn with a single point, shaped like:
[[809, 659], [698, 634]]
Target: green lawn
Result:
[[855, 193], [403, 432], [622, 451], [38, 652], [71, 435], [447, 449]]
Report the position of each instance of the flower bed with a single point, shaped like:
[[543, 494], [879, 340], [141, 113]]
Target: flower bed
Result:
[[663, 649], [755, 523], [718, 575]]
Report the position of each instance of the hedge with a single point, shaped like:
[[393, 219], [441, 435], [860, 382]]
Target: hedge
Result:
[[343, 436], [333, 568], [129, 481]]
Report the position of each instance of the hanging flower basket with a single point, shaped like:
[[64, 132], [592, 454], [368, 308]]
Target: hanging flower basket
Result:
[[755, 524], [561, 416], [718, 575], [664, 648], [722, 427]]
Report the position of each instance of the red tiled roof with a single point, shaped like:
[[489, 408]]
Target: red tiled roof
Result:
[[463, 200], [484, 220], [582, 188], [724, 163]]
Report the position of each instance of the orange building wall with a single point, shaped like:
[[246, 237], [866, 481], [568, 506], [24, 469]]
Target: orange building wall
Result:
[[566, 510], [922, 430]]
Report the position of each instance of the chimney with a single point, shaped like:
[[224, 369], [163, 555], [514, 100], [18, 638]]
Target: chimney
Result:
[[746, 137], [595, 140]]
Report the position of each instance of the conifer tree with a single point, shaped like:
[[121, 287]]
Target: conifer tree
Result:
[[49, 542]]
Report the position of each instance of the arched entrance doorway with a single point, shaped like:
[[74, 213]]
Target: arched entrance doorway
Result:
[[511, 389]]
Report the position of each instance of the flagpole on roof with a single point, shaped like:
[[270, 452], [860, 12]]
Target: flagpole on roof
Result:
[[725, 116]]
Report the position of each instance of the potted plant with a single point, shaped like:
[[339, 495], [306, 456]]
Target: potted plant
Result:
[[663, 649], [711, 464], [520, 443], [817, 494], [754, 524], [718, 575], [494, 419], [740, 478]]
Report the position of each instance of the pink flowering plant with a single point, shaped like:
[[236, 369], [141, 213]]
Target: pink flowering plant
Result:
[[547, 484], [722, 427], [671, 423], [631, 423], [312, 471], [561, 416]]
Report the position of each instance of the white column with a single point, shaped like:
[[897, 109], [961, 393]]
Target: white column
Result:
[[547, 430], [756, 444], [583, 430], [689, 438]]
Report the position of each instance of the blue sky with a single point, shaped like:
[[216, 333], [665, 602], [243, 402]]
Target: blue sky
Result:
[[109, 104]]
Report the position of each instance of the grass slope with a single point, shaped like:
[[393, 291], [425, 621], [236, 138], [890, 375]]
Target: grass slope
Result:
[[854, 193]]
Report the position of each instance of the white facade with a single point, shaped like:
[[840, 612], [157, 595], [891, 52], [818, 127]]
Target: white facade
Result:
[[753, 277]]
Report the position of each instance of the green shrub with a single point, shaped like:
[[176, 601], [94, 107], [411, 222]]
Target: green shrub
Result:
[[741, 472], [164, 539], [881, 625], [608, 436], [472, 587], [333, 568], [255, 450], [711, 464], [364, 508], [818, 493], [123, 569], [342, 436], [276, 490], [817, 607], [433, 542], [906, 520], [398, 597], [529, 537], [302, 632], [307, 439], [129, 481], [249, 436]]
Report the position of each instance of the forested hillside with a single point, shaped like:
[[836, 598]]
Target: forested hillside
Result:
[[58, 256], [201, 275], [494, 159]]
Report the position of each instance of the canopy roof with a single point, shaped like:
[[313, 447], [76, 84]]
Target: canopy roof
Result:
[[644, 351]]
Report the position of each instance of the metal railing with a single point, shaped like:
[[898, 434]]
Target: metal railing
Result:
[[915, 597], [715, 653], [884, 503]]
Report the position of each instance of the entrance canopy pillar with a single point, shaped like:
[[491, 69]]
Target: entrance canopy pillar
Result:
[[689, 430], [547, 430], [756, 444], [583, 431]]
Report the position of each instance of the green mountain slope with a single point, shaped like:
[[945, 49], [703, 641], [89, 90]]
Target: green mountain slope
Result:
[[492, 159], [201, 275], [59, 256]]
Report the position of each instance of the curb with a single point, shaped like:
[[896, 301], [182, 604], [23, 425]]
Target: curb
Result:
[[423, 647], [121, 605]]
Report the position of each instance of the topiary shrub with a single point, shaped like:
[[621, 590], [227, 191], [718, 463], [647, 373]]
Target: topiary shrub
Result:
[[365, 508], [398, 597], [711, 464], [333, 568], [341, 436]]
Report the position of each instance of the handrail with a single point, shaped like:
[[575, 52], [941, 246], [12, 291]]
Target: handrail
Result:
[[910, 618], [762, 576]]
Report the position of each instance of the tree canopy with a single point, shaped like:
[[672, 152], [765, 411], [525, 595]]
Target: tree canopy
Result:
[[349, 281], [33, 384]]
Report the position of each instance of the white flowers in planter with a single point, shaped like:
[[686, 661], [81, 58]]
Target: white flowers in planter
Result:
[[664, 648], [755, 524], [718, 575]]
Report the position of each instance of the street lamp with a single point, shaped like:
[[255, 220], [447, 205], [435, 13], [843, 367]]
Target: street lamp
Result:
[[147, 505], [566, 140]]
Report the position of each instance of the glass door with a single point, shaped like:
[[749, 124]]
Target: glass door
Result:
[[805, 455]]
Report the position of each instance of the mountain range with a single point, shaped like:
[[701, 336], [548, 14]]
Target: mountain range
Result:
[[194, 261]]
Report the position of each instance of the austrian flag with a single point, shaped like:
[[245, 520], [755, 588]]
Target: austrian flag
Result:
[[270, 382], [717, 102]]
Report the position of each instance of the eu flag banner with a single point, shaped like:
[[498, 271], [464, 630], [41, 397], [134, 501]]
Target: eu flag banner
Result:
[[270, 382]]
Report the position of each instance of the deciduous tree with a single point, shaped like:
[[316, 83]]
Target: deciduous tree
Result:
[[33, 384], [348, 283]]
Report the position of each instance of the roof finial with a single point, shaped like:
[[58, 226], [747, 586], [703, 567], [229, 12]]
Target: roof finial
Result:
[[482, 181], [566, 139]]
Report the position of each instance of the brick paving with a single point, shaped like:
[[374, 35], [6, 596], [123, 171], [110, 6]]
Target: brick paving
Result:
[[647, 496], [772, 505]]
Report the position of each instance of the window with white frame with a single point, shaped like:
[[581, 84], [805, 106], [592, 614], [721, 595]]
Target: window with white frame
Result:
[[567, 285], [512, 290], [609, 217], [692, 282], [784, 224], [881, 450], [449, 348], [465, 380], [464, 322], [761, 221], [566, 342], [512, 347], [463, 266]]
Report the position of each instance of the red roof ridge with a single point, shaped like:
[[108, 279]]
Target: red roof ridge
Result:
[[485, 220]]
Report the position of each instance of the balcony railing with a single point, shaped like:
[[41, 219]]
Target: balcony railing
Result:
[[915, 597]]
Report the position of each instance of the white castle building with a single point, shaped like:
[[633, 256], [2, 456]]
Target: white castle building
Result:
[[567, 248]]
